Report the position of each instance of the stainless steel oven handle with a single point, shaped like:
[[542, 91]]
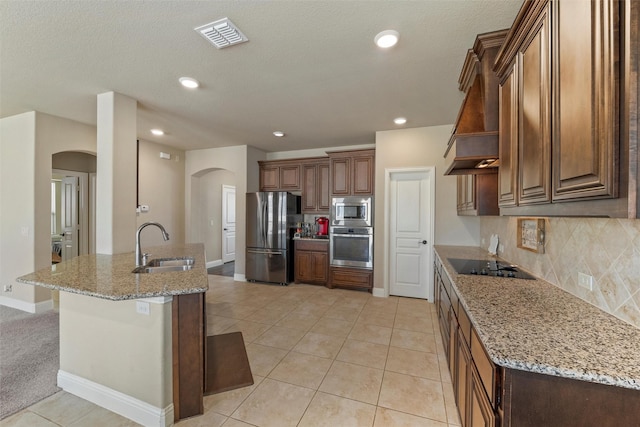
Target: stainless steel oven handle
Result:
[[351, 236]]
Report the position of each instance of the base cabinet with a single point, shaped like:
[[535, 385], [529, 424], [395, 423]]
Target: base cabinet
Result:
[[312, 262], [489, 395], [351, 278]]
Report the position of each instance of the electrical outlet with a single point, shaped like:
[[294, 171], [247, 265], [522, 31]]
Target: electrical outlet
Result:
[[8, 288], [585, 281], [142, 307]]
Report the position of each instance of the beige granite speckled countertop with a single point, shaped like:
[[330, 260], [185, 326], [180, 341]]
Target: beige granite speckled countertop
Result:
[[110, 276], [532, 325]]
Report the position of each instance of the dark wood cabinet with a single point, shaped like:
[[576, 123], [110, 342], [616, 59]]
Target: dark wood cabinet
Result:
[[311, 262], [534, 132], [489, 395], [481, 414], [282, 175], [466, 358], [315, 186], [352, 172], [568, 110], [586, 81], [350, 278], [508, 139], [477, 195]]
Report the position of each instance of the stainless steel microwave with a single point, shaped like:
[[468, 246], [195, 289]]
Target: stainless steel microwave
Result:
[[352, 211]]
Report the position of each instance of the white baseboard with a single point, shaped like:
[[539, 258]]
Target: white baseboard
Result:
[[29, 307], [379, 292], [214, 263], [239, 277], [115, 401]]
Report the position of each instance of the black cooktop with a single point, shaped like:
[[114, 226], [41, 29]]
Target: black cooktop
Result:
[[488, 268]]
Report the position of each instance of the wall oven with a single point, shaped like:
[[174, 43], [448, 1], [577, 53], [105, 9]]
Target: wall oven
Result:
[[352, 211], [351, 247]]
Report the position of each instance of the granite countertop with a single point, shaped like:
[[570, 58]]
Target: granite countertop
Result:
[[110, 276], [532, 325]]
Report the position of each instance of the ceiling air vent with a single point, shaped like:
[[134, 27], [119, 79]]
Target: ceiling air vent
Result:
[[222, 33]]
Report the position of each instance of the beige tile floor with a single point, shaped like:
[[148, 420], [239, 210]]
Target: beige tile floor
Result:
[[319, 357]]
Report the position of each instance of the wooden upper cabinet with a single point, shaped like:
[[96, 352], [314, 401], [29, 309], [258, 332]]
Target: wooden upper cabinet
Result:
[[534, 179], [341, 176], [585, 78], [363, 167], [269, 178], [315, 187], [352, 172], [324, 200], [280, 175], [508, 140], [570, 118], [290, 177]]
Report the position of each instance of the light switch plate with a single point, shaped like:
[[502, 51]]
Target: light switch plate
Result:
[[585, 281]]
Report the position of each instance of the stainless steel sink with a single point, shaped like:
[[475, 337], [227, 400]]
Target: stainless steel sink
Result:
[[166, 262], [163, 265]]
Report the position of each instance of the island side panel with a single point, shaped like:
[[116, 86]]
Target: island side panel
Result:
[[110, 344]]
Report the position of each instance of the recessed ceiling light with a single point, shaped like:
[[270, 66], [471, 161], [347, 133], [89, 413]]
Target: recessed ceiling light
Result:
[[387, 38], [189, 82], [157, 132], [279, 133], [400, 120]]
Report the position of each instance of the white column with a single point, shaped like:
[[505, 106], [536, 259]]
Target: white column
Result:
[[116, 174]]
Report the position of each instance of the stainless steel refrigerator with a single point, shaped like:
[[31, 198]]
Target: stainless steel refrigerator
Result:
[[271, 222]]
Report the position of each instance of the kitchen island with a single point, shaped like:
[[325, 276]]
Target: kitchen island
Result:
[[551, 358], [132, 343]]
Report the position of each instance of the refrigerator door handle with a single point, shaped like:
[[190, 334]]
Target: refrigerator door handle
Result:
[[253, 251]]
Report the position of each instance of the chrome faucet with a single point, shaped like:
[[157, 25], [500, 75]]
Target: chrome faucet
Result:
[[140, 257]]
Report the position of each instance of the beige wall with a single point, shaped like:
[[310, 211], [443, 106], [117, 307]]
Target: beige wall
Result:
[[412, 148], [108, 343], [241, 160], [74, 161], [28, 142], [161, 187], [210, 198], [607, 249]]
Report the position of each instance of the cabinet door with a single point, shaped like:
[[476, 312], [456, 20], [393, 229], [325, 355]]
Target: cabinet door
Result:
[[322, 183], [309, 188], [341, 176], [319, 267], [463, 380], [480, 412], [290, 177], [302, 266], [533, 119], [363, 175], [508, 144], [269, 178], [585, 143]]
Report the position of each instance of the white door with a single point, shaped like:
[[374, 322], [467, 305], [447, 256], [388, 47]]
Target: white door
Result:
[[69, 217], [410, 226], [228, 223]]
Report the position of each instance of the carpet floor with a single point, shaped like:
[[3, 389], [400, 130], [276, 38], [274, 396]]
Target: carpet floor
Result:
[[29, 358]]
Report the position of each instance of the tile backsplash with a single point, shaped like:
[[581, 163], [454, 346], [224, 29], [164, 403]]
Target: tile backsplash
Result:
[[607, 249]]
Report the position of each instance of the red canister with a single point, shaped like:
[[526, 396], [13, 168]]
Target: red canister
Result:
[[323, 226]]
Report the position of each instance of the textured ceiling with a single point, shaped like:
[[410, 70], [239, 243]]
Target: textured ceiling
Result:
[[310, 68]]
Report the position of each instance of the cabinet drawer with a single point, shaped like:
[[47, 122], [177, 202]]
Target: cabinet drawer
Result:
[[465, 325], [486, 369], [312, 245], [351, 278]]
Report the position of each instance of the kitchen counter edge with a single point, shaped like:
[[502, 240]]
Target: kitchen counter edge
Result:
[[110, 276]]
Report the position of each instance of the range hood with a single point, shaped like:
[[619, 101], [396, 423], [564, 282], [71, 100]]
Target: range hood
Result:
[[473, 146]]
